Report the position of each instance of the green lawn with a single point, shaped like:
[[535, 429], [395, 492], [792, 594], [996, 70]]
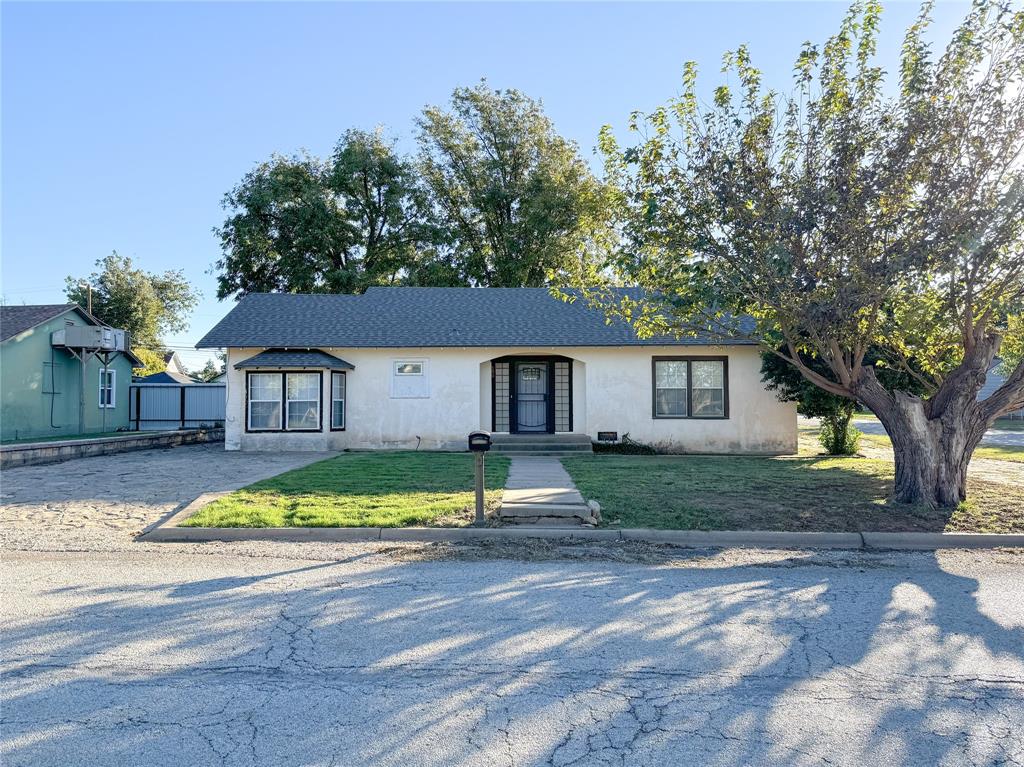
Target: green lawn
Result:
[[62, 437], [805, 493], [385, 489]]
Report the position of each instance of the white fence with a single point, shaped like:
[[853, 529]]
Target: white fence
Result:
[[155, 407]]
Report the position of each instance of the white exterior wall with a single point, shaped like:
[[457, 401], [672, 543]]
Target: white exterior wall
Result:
[[611, 392]]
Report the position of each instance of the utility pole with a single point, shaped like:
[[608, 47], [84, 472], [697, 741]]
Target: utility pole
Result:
[[88, 288]]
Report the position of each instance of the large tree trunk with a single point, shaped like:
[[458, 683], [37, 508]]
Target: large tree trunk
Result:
[[933, 439], [931, 454]]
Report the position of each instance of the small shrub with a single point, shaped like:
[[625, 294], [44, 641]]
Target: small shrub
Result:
[[838, 437], [625, 446]]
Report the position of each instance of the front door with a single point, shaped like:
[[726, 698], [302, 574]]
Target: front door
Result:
[[531, 403]]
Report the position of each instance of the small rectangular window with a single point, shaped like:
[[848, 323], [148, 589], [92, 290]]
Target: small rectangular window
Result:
[[108, 388], [691, 387], [408, 368], [303, 405], [264, 401], [410, 378], [337, 401]]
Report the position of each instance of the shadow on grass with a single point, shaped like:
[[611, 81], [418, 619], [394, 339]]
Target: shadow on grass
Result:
[[474, 663]]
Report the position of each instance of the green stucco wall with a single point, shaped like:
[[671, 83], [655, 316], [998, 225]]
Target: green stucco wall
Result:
[[38, 399]]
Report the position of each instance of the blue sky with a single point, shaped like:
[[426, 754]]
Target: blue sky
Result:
[[123, 124]]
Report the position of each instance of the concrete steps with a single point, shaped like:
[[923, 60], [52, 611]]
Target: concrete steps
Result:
[[541, 444]]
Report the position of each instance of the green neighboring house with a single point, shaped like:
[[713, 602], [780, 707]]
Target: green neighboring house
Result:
[[40, 384]]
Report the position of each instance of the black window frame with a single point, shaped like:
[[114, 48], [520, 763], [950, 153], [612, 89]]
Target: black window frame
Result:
[[283, 427], [689, 359], [344, 407]]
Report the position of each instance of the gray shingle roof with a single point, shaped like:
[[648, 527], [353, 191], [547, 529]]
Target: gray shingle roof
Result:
[[423, 317], [18, 319], [167, 377], [281, 358]]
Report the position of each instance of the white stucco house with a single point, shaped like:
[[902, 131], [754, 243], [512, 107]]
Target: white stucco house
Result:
[[423, 367]]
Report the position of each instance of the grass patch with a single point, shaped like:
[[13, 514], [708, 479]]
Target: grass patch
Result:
[[69, 437], [749, 493], [362, 490]]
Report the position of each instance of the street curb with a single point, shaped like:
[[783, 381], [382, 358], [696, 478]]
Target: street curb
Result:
[[168, 531], [929, 541], [746, 538]]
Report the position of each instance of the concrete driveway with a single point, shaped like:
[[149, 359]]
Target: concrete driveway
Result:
[[122, 653]]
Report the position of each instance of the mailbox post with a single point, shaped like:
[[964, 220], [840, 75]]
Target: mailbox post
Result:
[[479, 444]]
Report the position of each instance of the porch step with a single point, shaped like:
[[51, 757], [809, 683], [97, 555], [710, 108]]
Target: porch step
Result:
[[534, 448], [566, 510], [541, 444]]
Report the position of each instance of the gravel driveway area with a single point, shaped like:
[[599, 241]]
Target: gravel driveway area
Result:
[[126, 492], [544, 653]]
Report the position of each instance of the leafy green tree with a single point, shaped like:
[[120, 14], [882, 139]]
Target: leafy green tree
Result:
[[152, 361], [146, 304], [838, 436], [844, 221], [209, 371], [286, 231], [305, 225], [519, 204], [834, 412], [384, 200]]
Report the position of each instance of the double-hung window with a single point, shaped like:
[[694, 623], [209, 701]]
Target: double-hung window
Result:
[[284, 401], [303, 401], [108, 388], [337, 401], [691, 387], [264, 401]]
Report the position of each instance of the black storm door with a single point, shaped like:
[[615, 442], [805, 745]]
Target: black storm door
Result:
[[531, 400]]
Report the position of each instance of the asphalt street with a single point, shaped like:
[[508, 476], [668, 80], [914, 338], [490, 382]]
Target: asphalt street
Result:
[[310, 654]]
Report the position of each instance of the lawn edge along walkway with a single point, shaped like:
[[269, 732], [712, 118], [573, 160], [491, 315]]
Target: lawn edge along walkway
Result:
[[168, 531]]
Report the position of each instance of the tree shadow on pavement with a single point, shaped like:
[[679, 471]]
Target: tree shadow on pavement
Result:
[[463, 663]]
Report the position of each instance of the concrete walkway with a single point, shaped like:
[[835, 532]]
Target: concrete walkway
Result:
[[540, 491], [539, 479]]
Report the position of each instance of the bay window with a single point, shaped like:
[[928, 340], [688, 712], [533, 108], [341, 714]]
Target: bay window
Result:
[[283, 401]]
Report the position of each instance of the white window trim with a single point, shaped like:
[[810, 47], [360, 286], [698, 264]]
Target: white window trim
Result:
[[424, 373], [113, 388], [249, 400], [288, 401]]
